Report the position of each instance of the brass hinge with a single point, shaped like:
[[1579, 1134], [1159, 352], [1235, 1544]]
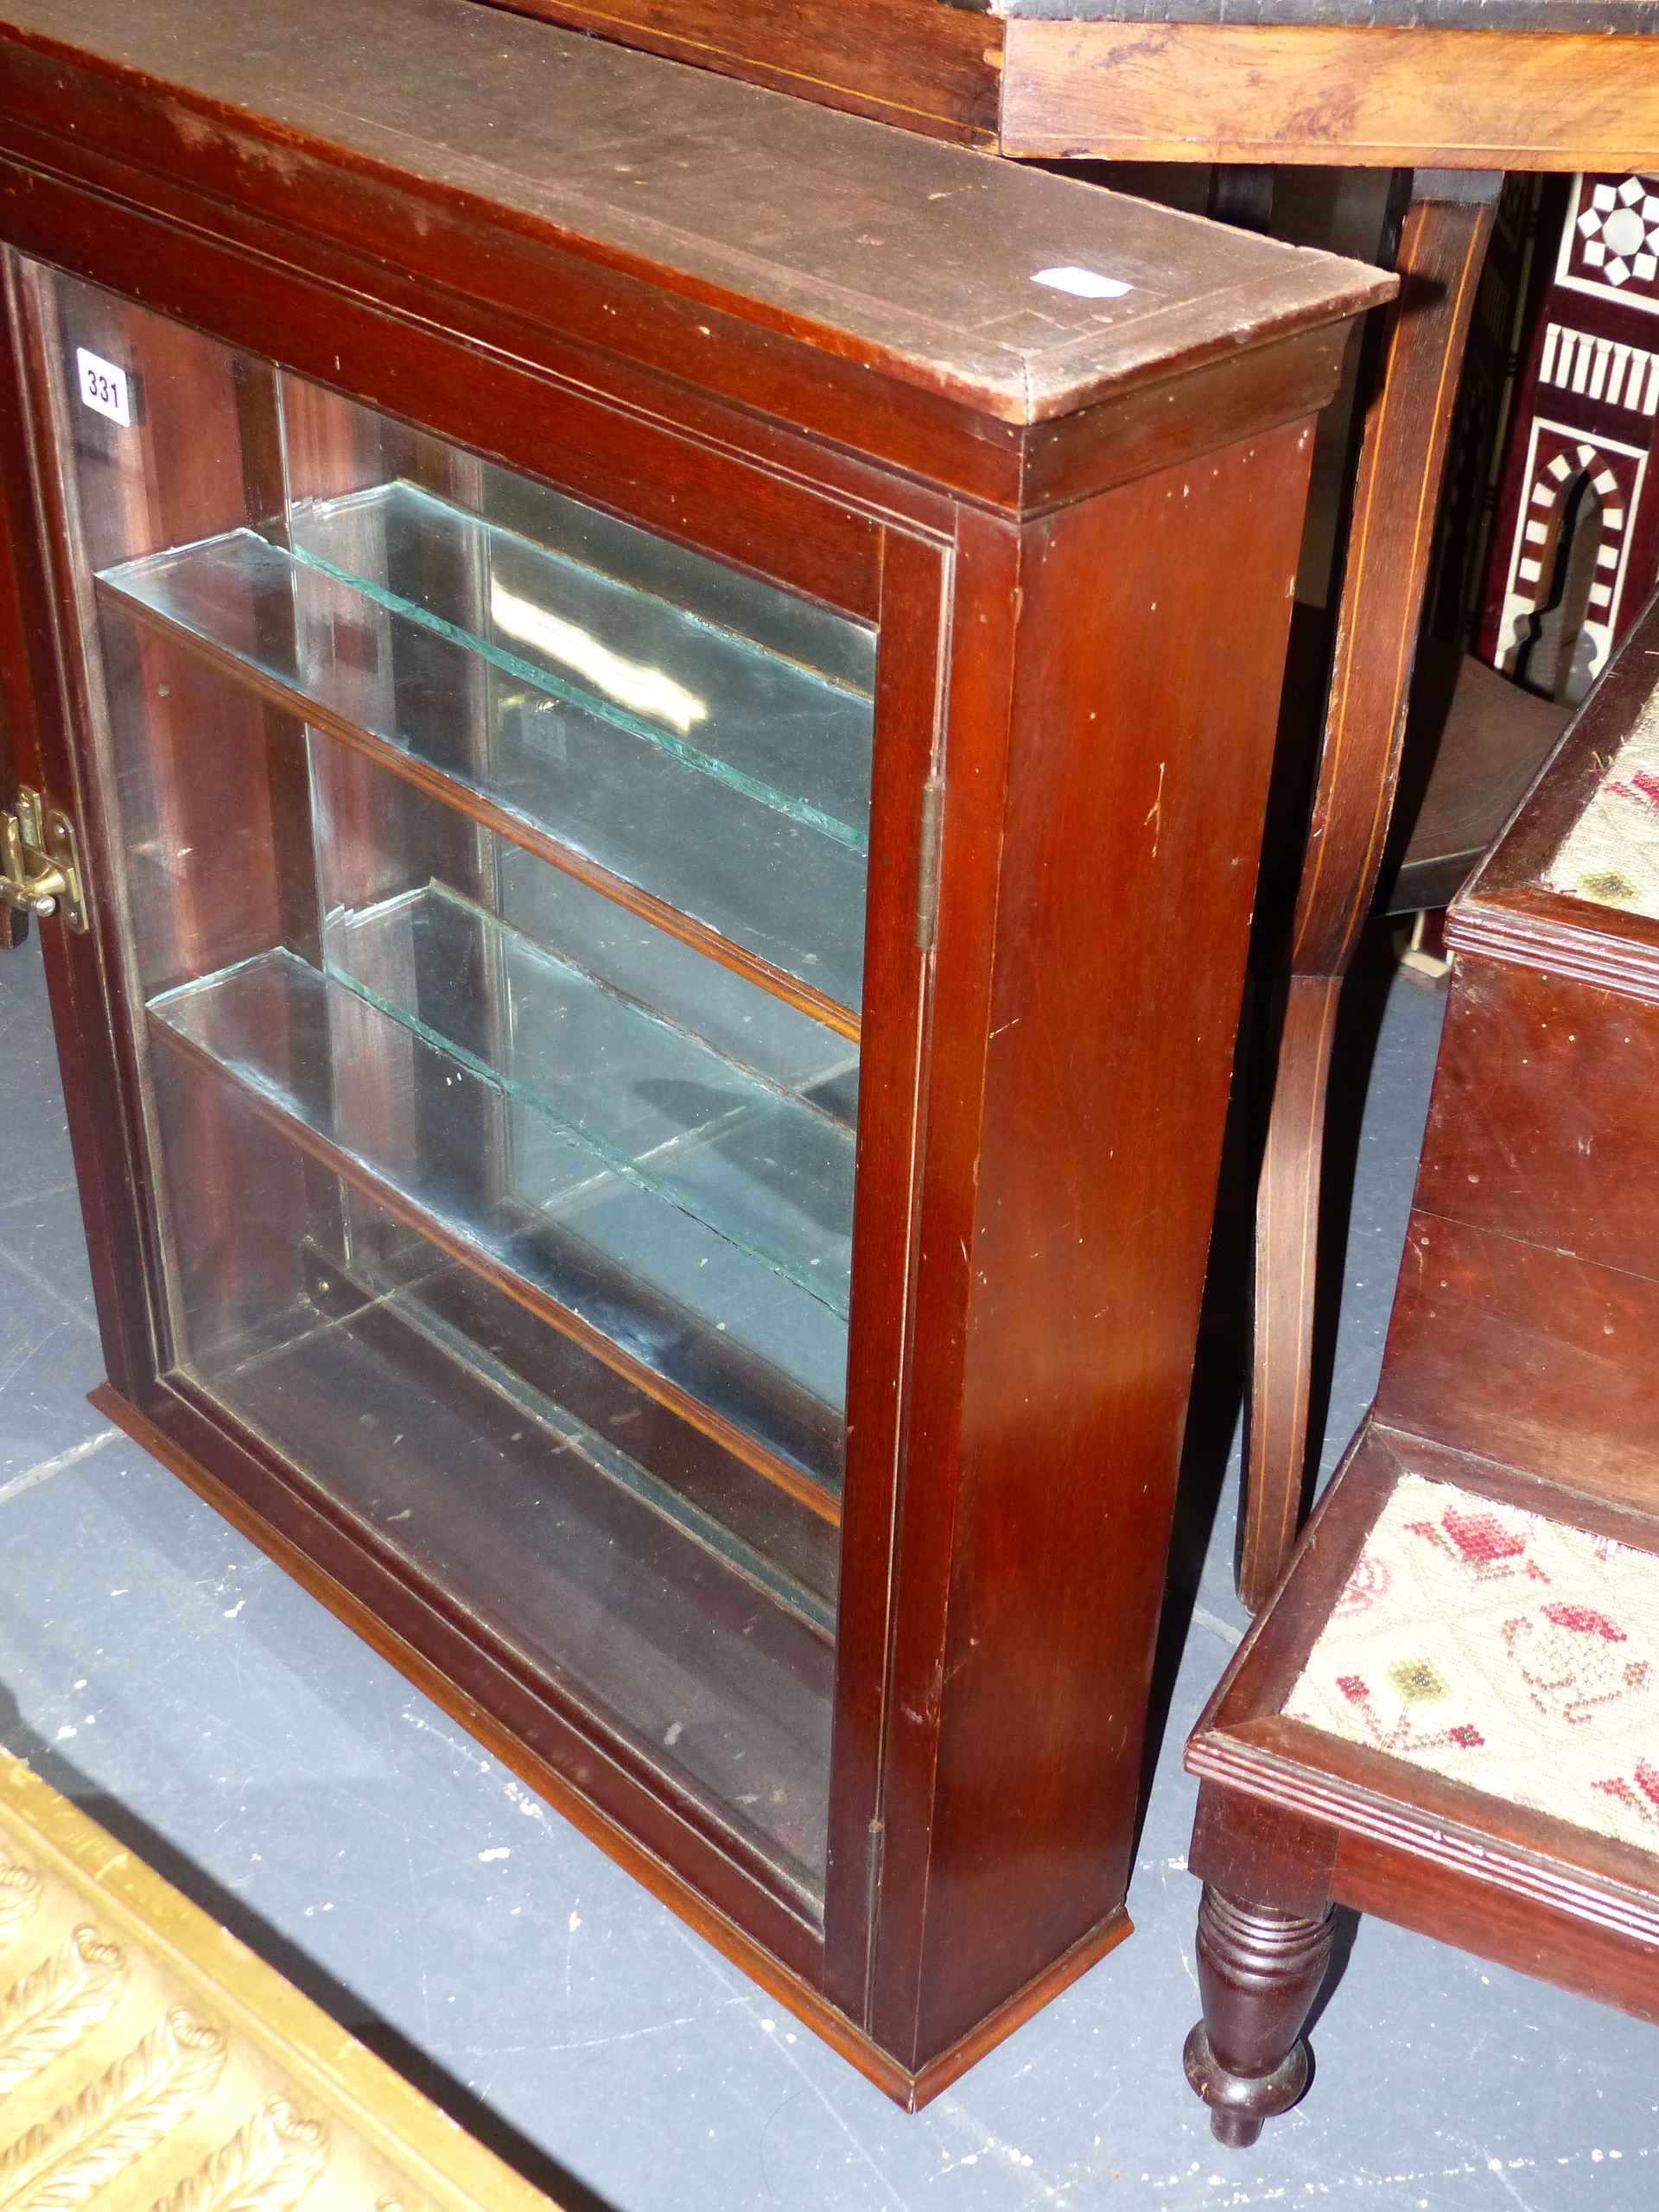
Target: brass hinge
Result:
[[43, 860], [927, 871]]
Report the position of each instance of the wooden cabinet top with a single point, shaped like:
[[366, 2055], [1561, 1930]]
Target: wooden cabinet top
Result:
[[918, 261]]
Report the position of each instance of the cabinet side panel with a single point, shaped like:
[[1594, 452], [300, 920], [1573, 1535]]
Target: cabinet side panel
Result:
[[1153, 631]]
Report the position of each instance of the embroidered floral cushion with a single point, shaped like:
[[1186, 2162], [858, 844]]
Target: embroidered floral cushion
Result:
[[1502, 1650], [1611, 855]]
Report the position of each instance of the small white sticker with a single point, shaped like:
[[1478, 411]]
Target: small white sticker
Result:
[[1085, 283], [103, 387]]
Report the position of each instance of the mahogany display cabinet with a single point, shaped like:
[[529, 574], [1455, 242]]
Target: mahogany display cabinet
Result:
[[647, 712]]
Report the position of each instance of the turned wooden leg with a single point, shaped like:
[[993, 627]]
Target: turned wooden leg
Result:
[[1442, 247], [1259, 1972]]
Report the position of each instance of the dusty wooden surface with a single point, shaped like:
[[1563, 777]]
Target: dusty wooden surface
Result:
[[910, 256], [922, 64]]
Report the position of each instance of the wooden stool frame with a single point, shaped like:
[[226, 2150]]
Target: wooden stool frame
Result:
[[1518, 1367]]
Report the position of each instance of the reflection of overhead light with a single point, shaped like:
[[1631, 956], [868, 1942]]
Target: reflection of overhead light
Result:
[[630, 683]]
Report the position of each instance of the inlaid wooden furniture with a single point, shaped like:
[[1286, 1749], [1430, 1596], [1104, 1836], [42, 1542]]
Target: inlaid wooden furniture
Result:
[[1576, 546], [667, 738], [1447, 1715]]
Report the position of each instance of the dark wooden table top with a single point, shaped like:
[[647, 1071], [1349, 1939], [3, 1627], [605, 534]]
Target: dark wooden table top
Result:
[[1608, 18], [914, 257], [1474, 84]]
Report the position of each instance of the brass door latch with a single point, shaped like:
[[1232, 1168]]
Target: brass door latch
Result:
[[41, 872]]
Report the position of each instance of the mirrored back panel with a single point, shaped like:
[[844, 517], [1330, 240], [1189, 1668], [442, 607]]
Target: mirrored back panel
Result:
[[492, 874]]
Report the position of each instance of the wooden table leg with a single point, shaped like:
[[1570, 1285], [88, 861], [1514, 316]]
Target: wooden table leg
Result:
[[1442, 246], [1241, 193]]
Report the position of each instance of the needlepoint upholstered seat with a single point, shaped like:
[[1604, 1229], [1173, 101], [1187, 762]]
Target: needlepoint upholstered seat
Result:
[[1512, 1653], [1448, 1713]]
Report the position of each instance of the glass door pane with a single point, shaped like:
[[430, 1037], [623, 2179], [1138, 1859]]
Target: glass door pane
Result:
[[493, 874]]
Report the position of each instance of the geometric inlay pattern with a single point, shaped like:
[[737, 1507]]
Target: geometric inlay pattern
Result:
[[1600, 368], [1558, 459], [1612, 241], [1501, 1650]]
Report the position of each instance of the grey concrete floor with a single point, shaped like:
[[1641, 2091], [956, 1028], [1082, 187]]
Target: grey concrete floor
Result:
[[158, 1667]]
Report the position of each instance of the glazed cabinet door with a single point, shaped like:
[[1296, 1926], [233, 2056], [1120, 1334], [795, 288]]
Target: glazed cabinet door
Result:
[[487, 876]]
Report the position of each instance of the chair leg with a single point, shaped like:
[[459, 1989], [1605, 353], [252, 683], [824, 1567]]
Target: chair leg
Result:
[[1259, 1972], [1442, 250]]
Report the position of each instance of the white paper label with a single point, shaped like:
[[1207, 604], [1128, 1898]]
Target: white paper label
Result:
[[1084, 284], [103, 387]]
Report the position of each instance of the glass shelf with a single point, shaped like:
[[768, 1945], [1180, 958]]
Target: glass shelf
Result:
[[761, 863], [699, 1650], [492, 877], [772, 727], [639, 1099], [675, 1303]]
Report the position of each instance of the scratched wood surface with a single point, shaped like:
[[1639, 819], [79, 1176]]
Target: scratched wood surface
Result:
[[881, 248]]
